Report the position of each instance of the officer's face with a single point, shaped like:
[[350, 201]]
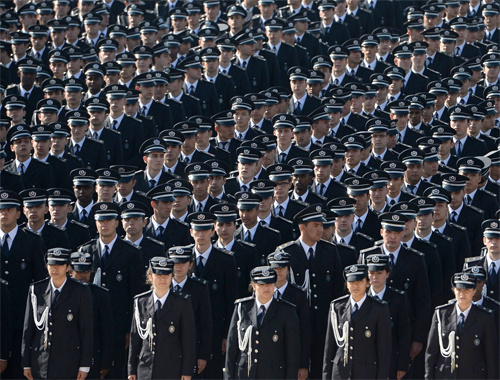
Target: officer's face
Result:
[[377, 196], [105, 193], [361, 203], [181, 269], [263, 292], [311, 231], [35, 214], [41, 148], [392, 239], [94, 82], [181, 204], [440, 212], [58, 144], [202, 237], [473, 182], [464, 297], [17, 115], [78, 131], [358, 288], [303, 138], [200, 188], [337, 166], [216, 184], [154, 160], [457, 198], [460, 126], [161, 209], [424, 222], [21, 147], [431, 168], [133, 226], [322, 172], [265, 205], [282, 188], [409, 228], [414, 173], [242, 118], [246, 170], [493, 246], [394, 185], [282, 274], [301, 182], [8, 218], [106, 228], [81, 276], [57, 272], [353, 157], [225, 230], [202, 138], [249, 217], [84, 193], [161, 282], [48, 117], [343, 223], [378, 278], [59, 212]]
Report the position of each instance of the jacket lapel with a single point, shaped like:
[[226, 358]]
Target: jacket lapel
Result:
[[115, 252], [65, 293], [47, 295], [271, 312], [302, 255], [167, 306]]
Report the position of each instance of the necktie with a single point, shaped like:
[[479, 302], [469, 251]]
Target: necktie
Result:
[[297, 108], [342, 241], [244, 188], [298, 40], [115, 122], [311, 257], [278, 294], [412, 188], [21, 166], [405, 245], [223, 145], [327, 30], [200, 265], [224, 71], [468, 200], [105, 255], [27, 95], [260, 316], [381, 59], [336, 82], [399, 137], [355, 311], [392, 202], [191, 90], [158, 308], [492, 275], [353, 73], [454, 216], [457, 51], [459, 148], [84, 217], [38, 56], [391, 98], [56, 296], [283, 158], [77, 149], [358, 225], [460, 323], [281, 210], [177, 288], [152, 183], [429, 61], [244, 64], [199, 207], [159, 232], [5, 245], [391, 259], [144, 110], [370, 6], [186, 160], [322, 189], [436, 115], [462, 101], [248, 237]]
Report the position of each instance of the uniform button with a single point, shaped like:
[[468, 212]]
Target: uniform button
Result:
[[314, 285], [456, 356], [314, 274], [458, 347], [456, 366], [350, 357], [6, 261], [103, 285], [153, 352], [50, 333], [154, 334], [352, 329], [50, 323], [104, 273], [256, 342], [351, 338], [255, 360], [458, 337], [256, 333], [6, 272], [256, 351], [391, 281], [315, 296], [351, 348], [315, 307]]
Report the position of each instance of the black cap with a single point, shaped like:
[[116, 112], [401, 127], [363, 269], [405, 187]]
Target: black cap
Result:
[[57, 256], [311, 213], [263, 275], [355, 272], [393, 221], [342, 206], [58, 197], [83, 177], [133, 209], [161, 265], [377, 263], [279, 259], [106, 211], [81, 261], [201, 221], [34, 197], [180, 254], [464, 281], [225, 212]]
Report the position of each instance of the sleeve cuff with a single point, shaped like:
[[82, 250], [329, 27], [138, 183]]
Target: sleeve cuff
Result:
[[84, 369]]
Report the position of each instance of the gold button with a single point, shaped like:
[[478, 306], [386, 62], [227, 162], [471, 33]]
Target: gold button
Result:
[[256, 333], [350, 357], [351, 348], [255, 360], [256, 351], [256, 342], [352, 329]]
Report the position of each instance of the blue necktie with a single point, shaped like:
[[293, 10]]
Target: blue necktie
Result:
[[200, 265], [492, 275], [5, 245], [260, 316], [355, 311], [56, 296], [460, 323], [105, 255]]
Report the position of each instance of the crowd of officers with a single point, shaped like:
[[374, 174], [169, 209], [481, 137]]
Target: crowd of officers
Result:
[[341, 157]]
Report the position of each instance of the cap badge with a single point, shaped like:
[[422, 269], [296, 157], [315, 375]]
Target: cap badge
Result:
[[395, 217], [104, 207]]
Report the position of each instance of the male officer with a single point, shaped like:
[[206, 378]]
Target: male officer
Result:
[[255, 65], [33, 173], [35, 209], [413, 183], [408, 273], [117, 266], [247, 161], [21, 263], [81, 270], [161, 226], [324, 184], [303, 171], [396, 171], [84, 190], [317, 268], [125, 191], [198, 178], [218, 268], [365, 220]]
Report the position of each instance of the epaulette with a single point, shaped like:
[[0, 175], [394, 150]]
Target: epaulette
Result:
[[272, 229], [379, 243], [229, 253], [200, 280], [3, 282], [55, 226], [327, 242], [147, 117], [430, 243], [90, 242], [14, 173], [259, 57], [442, 306], [182, 295], [490, 193], [240, 300], [321, 197], [222, 75], [95, 140], [457, 226], [140, 193], [341, 298], [11, 85], [348, 246], [79, 224], [26, 229], [99, 287], [243, 242], [139, 120], [60, 158], [70, 154], [115, 131], [78, 281], [453, 300], [448, 168], [286, 245], [181, 222], [143, 294], [477, 209], [494, 301], [374, 250], [279, 217], [396, 290], [480, 307], [299, 202], [415, 251], [473, 259], [153, 240], [382, 302], [286, 302], [364, 236], [131, 244], [297, 287], [40, 281], [447, 238], [177, 101]]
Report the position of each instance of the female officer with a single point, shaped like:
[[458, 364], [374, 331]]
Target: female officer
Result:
[[162, 337], [358, 337], [263, 340], [463, 341], [58, 324]]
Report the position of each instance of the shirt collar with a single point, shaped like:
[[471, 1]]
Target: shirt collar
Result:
[[266, 305], [281, 290], [181, 284], [380, 295], [88, 208], [12, 234], [347, 239], [162, 299], [110, 244], [156, 224], [306, 247], [227, 247], [205, 254], [284, 204], [252, 230], [395, 253], [59, 288], [25, 163], [360, 302], [465, 312]]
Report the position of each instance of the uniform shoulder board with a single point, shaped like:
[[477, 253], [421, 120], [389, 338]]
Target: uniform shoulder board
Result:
[[458, 226], [90, 242], [279, 217], [222, 75], [92, 285], [229, 253], [493, 301], [477, 209], [367, 251], [115, 131], [299, 202], [40, 281], [247, 243], [27, 230], [240, 300], [430, 243], [443, 306], [281, 300], [473, 259], [181, 222], [140, 193], [137, 119], [341, 298], [132, 244], [56, 226], [145, 294], [3, 281], [177, 101], [14, 173], [271, 229], [78, 281], [327, 242], [11, 85], [490, 193], [484, 309], [200, 280], [321, 197], [153, 240], [415, 251], [286, 245], [364, 236], [378, 243], [348, 246], [379, 300], [147, 117], [447, 238], [79, 224], [259, 57], [184, 296], [95, 140], [396, 290]]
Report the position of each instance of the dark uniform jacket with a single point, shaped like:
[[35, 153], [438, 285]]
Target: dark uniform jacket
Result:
[[191, 105], [275, 345], [37, 174], [161, 114], [36, 94], [370, 330], [69, 341], [52, 235], [207, 95], [476, 346], [225, 89], [61, 171], [471, 218], [112, 145], [132, 137], [240, 79], [265, 238], [257, 73], [11, 181], [142, 183], [170, 352], [461, 245], [176, 233], [92, 153]]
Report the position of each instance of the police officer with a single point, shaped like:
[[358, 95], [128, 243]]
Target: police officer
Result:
[[463, 340], [316, 267], [378, 272], [163, 321], [197, 288], [81, 270], [264, 338], [117, 266], [58, 324], [358, 335], [280, 262]]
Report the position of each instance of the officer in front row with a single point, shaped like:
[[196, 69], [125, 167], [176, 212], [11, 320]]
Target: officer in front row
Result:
[[463, 340], [162, 335], [263, 340], [81, 270], [58, 324]]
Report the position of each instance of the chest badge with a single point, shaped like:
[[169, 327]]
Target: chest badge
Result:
[[171, 329], [70, 317], [275, 338]]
